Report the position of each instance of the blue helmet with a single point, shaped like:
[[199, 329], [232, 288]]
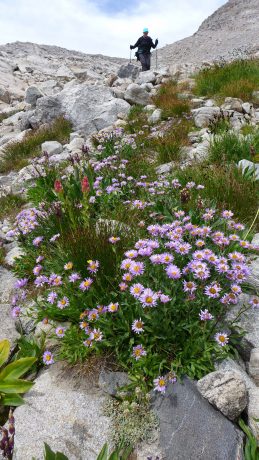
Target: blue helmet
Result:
[[145, 29]]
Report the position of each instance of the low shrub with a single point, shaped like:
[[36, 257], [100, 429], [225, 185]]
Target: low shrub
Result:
[[17, 153], [167, 99], [237, 79]]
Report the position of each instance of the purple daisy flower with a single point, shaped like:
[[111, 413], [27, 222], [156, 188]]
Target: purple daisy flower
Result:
[[37, 241], [138, 352], [16, 311], [63, 303], [136, 290], [205, 315], [137, 326], [137, 268], [48, 358], [74, 277], [60, 331], [52, 296], [222, 338], [173, 272], [213, 290], [86, 284], [21, 283], [148, 298], [160, 384]]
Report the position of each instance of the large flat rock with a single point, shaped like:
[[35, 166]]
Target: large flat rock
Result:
[[64, 412], [7, 324], [192, 429]]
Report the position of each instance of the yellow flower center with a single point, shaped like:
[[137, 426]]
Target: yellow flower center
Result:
[[149, 299], [222, 338], [161, 383], [213, 290], [139, 324]]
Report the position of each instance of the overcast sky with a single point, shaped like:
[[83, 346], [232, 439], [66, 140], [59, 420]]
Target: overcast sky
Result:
[[101, 26]]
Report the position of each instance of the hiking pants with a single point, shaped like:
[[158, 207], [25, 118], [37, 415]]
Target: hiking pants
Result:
[[145, 61]]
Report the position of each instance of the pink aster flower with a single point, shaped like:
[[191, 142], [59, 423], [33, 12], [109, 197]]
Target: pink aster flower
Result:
[[86, 284], [52, 296], [55, 280], [160, 384], [164, 298], [48, 358], [74, 277], [227, 214], [132, 254], [127, 277], [166, 258], [136, 290], [39, 259], [137, 326], [254, 301], [114, 239], [126, 264], [189, 286], [37, 269], [60, 331], [21, 283], [222, 338], [123, 286], [113, 307], [173, 271], [205, 315], [96, 335], [93, 266], [88, 343], [138, 352], [16, 311], [63, 303], [37, 241], [148, 298], [137, 268], [213, 290]]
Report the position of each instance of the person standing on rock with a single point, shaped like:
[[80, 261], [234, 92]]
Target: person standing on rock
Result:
[[144, 44]]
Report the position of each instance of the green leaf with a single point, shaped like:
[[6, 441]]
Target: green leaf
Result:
[[15, 386], [60, 456], [4, 351], [17, 369], [114, 456], [49, 454], [12, 400], [103, 455]]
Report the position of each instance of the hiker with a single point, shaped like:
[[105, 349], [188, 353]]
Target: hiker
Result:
[[144, 44]]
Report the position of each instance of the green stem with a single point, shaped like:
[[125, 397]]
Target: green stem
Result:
[[252, 224]]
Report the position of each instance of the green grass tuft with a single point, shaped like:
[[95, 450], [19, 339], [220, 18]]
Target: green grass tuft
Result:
[[17, 154], [226, 187], [230, 147], [10, 205], [167, 99], [237, 79]]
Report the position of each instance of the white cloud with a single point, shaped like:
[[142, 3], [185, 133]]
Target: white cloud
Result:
[[80, 25]]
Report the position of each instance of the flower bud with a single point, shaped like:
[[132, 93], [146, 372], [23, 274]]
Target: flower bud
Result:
[[85, 185], [58, 186]]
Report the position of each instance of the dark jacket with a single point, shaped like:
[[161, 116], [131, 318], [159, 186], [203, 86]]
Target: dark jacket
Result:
[[144, 44]]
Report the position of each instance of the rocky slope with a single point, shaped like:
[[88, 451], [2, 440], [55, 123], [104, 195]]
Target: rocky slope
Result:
[[231, 31], [25, 64]]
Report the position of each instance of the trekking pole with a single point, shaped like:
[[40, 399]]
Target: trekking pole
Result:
[[130, 56], [156, 58]]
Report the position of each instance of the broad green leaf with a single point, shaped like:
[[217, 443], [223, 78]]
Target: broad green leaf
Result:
[[60, 456], [15, 386], [12, 399], [49, 454], [4, 351], [103, 455], [16, 369]]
